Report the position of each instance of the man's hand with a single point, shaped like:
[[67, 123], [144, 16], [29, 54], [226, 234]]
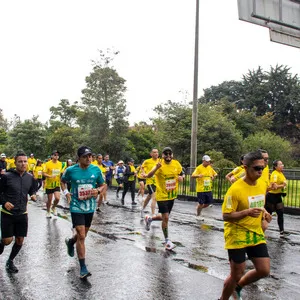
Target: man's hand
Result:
[[33, 197], [8, 206], [267, 216], [254, 212]]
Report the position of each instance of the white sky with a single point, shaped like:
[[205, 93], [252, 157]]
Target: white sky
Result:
[[47, 47]]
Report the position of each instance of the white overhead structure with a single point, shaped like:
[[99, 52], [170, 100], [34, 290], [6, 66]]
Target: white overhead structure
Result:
[[282, 17]]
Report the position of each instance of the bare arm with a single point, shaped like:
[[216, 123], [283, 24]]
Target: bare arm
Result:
[[238, 215]]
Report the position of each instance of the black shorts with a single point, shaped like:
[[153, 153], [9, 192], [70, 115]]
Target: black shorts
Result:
[[239, 255], [273, 198], [79, 219], [151, 188], [165, 206], [142, 180], [120, 180], [52, 191], [14, 225], [205, 197]]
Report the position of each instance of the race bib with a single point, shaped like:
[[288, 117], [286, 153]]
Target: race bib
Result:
[[206, 182], [85, 191], [170, 184], [55, 172], [257, 201], [40, 173], [121, 175]]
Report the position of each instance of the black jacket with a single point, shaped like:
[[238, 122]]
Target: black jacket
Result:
[[15, 188], [3, 164], [128, 173]]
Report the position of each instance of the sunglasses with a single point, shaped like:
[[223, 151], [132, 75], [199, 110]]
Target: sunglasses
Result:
[[168, 153], [258, 168]]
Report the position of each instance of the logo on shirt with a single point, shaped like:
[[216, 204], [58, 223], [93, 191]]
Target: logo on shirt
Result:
[[93, 176]]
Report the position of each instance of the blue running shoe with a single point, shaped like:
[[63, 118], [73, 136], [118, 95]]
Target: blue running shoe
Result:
[[84, 273]]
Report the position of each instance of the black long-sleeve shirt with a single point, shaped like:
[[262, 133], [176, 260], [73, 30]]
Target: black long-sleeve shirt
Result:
[[14, 188]]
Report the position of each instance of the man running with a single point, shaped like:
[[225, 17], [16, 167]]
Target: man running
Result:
[[243, 211], [87, 183], [168, 172], [52, 172], [14, 189], [204, 174], [147, 166]]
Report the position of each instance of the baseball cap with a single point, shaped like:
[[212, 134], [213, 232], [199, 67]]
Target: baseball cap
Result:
[[130, 160], [120, 162], [206, 158], [167, 149], [84, 150], [3, 155], [54, 152], [31, 154]]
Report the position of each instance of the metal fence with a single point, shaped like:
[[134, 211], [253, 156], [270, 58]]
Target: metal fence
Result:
[[187, 188]]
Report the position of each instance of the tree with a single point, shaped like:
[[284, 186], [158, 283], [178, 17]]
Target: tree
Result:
[[104, 106], [29, 136], [277, 147], [65, 112]]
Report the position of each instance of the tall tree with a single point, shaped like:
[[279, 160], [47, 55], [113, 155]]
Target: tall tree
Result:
[[104, 105]]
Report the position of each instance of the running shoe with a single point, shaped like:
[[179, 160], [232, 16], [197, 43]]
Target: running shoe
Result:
[[284, 233], [48, 215], [142, 214], [237, 293], [1, 248], [199, 218], [84, 273], [148, 221], [169, 245], [98, 210], [133, 203], [54, 211], [10, 267], [70, 247]]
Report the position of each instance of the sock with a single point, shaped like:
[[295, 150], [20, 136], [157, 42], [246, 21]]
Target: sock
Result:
[[82, 262], [14, 251]]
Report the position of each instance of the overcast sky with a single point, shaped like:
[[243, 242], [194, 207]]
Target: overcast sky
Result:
[[47, 48]]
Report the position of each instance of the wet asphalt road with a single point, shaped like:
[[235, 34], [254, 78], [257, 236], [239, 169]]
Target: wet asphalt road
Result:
[[128, 262]]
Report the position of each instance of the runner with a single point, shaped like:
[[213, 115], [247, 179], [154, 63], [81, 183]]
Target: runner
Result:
[[204, 174], [141, 181], [87, 182], [31, 163], [243, 210], [119, 175], [168, 172], [38, 174], [129, 181], [109, 170], [237, 172], [147, 166], [52, 171], [274, 200], [103, 194], [14, 189]]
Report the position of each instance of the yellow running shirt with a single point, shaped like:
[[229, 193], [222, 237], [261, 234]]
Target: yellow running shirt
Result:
[[53, 169], [204, 184], [147, 166], [278, 178], [247, 231], [38, 172], [238, 172], [31, 163], [166, 179]]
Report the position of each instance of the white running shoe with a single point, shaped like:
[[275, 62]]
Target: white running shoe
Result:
[[169, 245], [48, 215], [148, 221], [54, 211], [199, 218], [142, 214]]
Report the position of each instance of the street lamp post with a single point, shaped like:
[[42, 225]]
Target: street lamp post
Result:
[[193, 158]]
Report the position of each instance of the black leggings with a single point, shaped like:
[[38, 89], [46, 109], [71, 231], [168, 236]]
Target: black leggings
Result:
[[274, 203], [129, 185]]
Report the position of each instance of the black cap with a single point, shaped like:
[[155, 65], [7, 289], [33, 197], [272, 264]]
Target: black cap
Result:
[[167, 149], [130, 160], [83, 150], [54, 151]]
